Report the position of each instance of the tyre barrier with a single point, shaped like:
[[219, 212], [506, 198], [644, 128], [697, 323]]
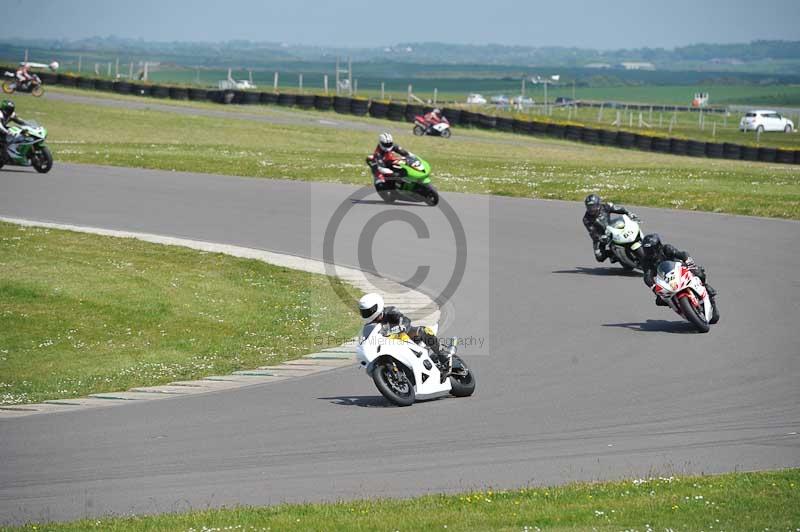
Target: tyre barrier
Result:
[[341, 104], [287, 99], [608, 137], [796, 156], [749, 153], [223, 97], [626, 139], [679, 147], [123, 87], [573, 133], [104, 85], [250, 98], [67, 81], [141, 90], [504, 124], [322, 103], [48, 77], [590, 135], [305, 101], [643, 142], [198, 95], [413, 110], [784, 156], [767, 155], [661, 144], [378, 109], [396, 112], [359, 107], [556, 131], [159, 91], [269, 98], [453, 116], [696, 148], [715, 150], [522, 127], [178, 93], [468, 118], [731, 151], [87, 83], [238, 97], [486, 121], [538, 128]]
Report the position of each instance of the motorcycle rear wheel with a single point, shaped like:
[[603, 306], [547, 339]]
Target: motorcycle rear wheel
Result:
[[693, 314], [419, 131], [394, 383], [42, 160], [461, 385], [8, 87]]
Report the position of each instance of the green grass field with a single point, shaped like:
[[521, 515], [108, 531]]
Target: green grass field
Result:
[[82, 314], [741, 501], [473, 161]]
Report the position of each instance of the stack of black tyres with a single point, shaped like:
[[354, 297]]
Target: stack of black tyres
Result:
[[66, 80], [396, 112], [538, 128], [251, 98], [341, 104], [123, 87], [141, 90], [159, 91], [217, 96], [608, 137], [359, 107], [556, 131], [87, 83], [413, 110], [661, 144], [198, 95], [468, 118], [731, 151], [502, 123], [522, 127], [749, 153], [590, 135], [679, 147], [238, 96], [453, 116], [696, 148], [715, 150], [104, 85], [767, 155], [305, 101], [268, 98], [48, 77], [287, 99], [626, 139], [323, 103], [785, 156], [796, 156], [179, 93], [378, 109], [486, 121], [573, 133]]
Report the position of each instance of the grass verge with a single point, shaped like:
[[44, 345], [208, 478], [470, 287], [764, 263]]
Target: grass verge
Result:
[[82, 314], [738, 501], [473, 161]]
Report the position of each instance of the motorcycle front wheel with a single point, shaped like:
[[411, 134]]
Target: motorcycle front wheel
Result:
[[431, 197], [462, 380], [695, 315], [446, 134], [42, 160], [37, 91], [394, 383], [8, 87]]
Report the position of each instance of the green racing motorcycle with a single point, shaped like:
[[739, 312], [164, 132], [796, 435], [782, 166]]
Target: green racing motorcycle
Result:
[[28, 148], [411, 181]]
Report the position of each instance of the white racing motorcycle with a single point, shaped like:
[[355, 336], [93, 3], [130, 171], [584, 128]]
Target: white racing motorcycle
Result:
[[403, 370], [685, 293], [442, 129], [624, 239]]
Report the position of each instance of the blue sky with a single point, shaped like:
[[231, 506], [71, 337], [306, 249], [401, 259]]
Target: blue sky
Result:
[[605, 24]]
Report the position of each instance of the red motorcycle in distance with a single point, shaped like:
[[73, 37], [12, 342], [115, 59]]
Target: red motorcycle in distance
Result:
[[421, 127]]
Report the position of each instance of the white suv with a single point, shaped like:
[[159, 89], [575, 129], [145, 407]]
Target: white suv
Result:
[[765, 121]]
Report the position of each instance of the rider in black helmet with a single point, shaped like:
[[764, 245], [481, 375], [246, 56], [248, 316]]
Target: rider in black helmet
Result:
[[655, 252], [7, 114], [596, 220]]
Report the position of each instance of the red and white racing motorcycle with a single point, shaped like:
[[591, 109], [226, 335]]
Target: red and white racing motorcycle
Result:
[[421, 127], [685, 293]]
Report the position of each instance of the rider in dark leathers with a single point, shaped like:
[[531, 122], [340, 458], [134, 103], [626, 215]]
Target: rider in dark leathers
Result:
[[655, 252], [596, 220], [7, 114]]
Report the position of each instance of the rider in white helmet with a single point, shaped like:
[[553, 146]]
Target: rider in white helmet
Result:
[[386, 154], [373, 310]]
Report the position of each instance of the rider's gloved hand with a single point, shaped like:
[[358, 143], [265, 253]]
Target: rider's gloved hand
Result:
[[690, 263], [634, 217], [397, 329]]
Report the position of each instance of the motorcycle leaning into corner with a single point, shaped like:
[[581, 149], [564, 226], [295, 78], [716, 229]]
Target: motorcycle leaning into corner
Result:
[[623, 237], [685, 293], [407, 180], [404, 372], [26, 147], [33, 85], [421, 127]]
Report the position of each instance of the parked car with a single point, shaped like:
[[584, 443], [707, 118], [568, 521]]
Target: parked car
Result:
[[563, 100], [761, 121], [499, 100], [476, 99]]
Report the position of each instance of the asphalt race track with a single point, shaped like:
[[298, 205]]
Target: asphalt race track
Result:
[[580, 375]]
